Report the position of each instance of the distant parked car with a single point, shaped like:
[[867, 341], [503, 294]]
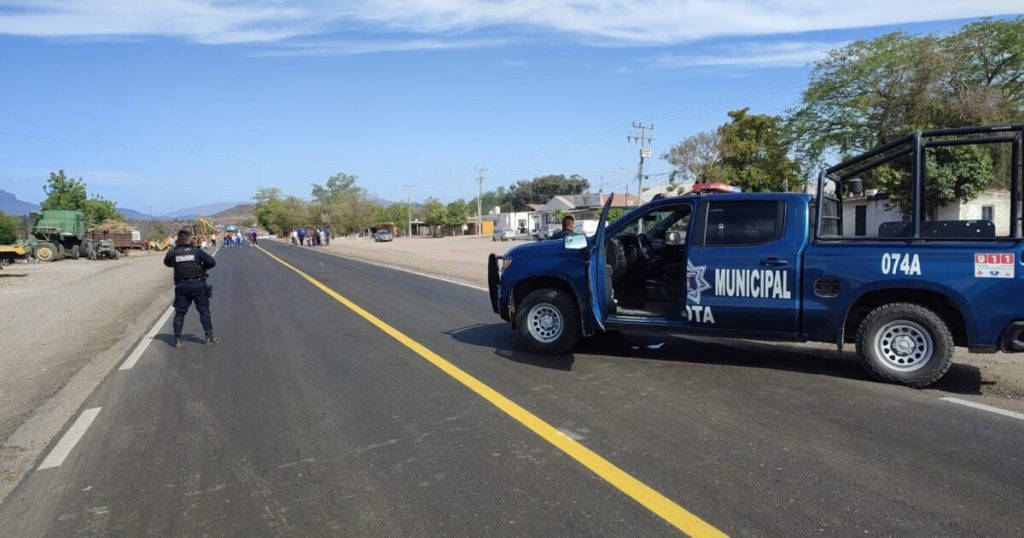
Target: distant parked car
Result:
[[382, 235], [504, 234], [545, 232]]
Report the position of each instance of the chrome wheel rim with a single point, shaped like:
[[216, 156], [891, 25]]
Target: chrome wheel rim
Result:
[[904, 345], [544, 322]]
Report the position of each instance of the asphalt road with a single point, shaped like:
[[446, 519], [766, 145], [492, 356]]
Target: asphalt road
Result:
[[307, 419]]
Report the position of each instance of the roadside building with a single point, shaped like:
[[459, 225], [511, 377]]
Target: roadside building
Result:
[[864, 215], [581, 207]]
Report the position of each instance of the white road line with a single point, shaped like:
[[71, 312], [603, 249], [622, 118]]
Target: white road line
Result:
[[410, 271], [141, 347], [60, 452], [983, 407]]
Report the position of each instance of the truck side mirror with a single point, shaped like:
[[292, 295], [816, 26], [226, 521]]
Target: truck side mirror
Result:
[[575, 242]]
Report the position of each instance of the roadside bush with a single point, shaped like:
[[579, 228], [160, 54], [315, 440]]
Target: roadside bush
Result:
[[8, 228]]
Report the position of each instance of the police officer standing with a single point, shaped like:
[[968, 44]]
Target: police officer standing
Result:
[[190, 265]]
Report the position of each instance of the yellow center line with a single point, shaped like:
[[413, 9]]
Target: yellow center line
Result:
[[647, 496]]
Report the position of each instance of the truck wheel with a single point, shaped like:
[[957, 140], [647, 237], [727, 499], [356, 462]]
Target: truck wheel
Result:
[[548, 322], [75, 252], [905, 343], [46, 252]]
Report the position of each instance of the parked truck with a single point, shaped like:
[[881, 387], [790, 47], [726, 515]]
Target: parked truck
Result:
[[56, 233], [784, 266]]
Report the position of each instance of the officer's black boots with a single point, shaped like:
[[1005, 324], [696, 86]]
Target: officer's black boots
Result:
[[210, 340], [177, 341]]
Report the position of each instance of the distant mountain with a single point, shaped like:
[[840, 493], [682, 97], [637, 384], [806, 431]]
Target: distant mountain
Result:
[[11, 205], [202, 210], [132, 214], [240, 211]]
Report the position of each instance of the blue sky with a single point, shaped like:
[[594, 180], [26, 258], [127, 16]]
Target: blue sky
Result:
[[185, 102]]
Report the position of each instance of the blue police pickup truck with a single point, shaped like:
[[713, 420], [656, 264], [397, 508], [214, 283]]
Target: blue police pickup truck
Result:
[[905, 285]]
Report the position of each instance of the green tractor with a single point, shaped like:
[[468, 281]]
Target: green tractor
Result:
[[56, 234]]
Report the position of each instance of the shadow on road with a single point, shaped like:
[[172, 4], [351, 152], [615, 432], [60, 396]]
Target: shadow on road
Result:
[[186, 338], [784, 356], [506, 344]]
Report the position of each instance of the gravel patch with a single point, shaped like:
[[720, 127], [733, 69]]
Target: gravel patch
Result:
[[59, 316]]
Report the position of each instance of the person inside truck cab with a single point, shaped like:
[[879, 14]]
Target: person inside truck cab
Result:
[[568, 225]]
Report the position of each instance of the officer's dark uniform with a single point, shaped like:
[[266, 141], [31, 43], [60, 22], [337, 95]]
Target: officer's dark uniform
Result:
[[190, 265]]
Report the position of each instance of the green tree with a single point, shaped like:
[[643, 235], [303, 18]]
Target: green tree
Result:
[[489, 200], [456, 213], [343, 205], [97, 209], [279, 214], [871, 92], [435, 212], [541, 189], [269, 205], [696, 158], [753, 153], [8, 228], [63, 192], [615, 213], [955, 174]]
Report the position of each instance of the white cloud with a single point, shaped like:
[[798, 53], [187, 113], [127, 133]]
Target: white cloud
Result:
[[754, 54], [643, 22], [349, 48]]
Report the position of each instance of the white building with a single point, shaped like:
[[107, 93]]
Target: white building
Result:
[[864, 215]]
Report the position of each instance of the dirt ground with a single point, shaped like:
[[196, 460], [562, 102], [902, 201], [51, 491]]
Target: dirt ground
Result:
[[58, 316], [458, 258], [993, 379]]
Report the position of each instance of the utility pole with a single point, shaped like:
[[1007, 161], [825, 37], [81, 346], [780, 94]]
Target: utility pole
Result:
[[645, 152], [481, 172], [408, 205]]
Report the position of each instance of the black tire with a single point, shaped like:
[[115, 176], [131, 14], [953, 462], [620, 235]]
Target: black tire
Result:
[[75, 252], [905, 343], [114, 254], [46, 252], [548, 306]]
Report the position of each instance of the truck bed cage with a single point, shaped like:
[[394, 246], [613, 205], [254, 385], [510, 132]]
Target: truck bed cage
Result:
[[914, 145]]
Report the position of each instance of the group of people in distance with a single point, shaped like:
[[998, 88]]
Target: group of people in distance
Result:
[[235, 239], [310, 237]]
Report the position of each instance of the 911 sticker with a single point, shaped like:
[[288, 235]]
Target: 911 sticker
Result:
[[994, 265]]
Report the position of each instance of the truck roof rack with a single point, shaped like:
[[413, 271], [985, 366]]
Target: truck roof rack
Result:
[[914, 145]]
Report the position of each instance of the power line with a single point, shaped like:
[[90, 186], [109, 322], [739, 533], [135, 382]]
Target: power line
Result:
[[645, 152], [116, 145], [481, 172]]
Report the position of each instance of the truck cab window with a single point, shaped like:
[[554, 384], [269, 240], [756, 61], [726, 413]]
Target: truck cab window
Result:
[[742, 223]]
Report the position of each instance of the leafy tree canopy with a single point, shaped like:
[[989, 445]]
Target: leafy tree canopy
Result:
[[98, 209], [541, 189], [63, 192], [753, 153]]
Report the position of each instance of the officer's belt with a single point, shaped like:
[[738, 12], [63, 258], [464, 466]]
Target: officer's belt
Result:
[[197, 279]]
